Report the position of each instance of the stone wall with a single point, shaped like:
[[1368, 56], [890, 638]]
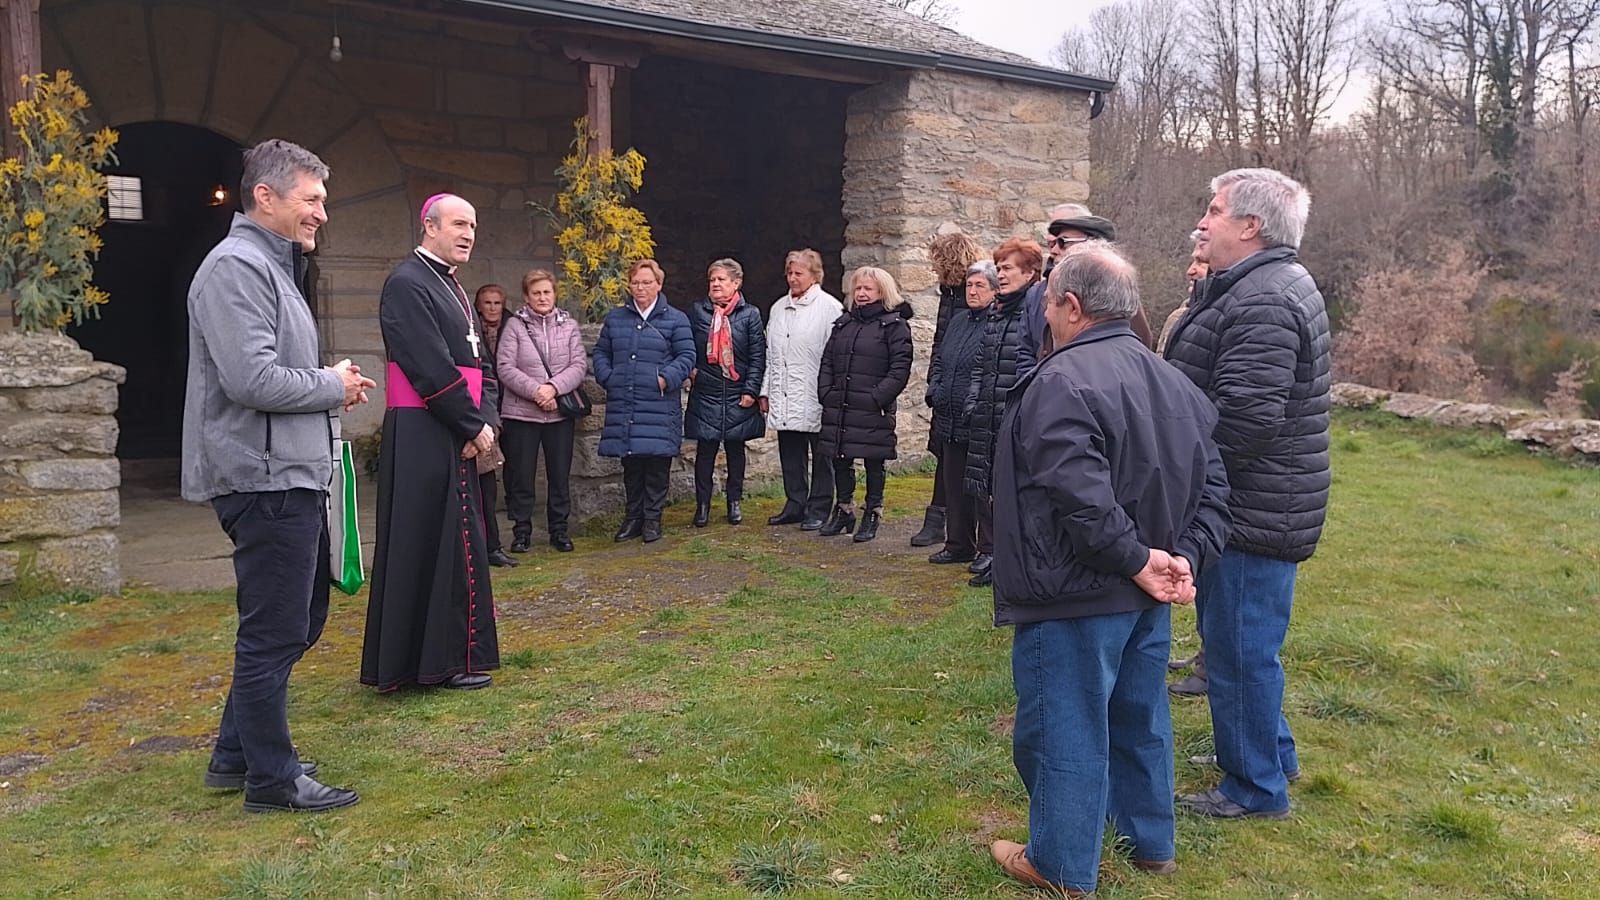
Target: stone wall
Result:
[[58, 468], [1575, 439], [416, 106], [932, 152]]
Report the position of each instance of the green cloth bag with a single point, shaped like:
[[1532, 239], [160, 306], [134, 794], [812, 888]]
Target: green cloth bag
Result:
[[344, 531]]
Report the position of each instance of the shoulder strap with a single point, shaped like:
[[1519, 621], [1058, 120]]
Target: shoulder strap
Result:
[[536, 351]]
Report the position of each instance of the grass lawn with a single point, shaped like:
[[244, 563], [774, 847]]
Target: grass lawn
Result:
[[744, 710]]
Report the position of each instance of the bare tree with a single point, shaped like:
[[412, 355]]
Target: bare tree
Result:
[[939, 12], [1312, 46]]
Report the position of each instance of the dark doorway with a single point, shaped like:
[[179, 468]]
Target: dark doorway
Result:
[[176, 192], [742, 164]]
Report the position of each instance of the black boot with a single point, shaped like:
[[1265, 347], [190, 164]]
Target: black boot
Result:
[[702, 513], [840, 522], [735, 514], [631, 528], [869, 525], [932, 528], [652, 531], [521, 541]]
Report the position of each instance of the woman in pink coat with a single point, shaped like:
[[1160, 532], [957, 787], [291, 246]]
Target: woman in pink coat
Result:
[[540, 358]]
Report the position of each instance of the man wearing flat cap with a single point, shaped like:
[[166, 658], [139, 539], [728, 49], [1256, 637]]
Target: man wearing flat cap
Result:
[[1072, 224]]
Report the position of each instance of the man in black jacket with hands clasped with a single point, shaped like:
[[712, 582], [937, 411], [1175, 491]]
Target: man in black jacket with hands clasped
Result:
[[1109, 497]]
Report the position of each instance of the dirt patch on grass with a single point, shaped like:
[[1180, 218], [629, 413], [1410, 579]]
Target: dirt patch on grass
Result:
[[169, 743], [993, 822], [14, 764]]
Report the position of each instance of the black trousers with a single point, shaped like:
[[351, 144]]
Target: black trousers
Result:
[[489, 484], [941, 492], [960, 524], [645, 480], [844, 480], [705, 465], [797, 453], [983, 507], [280, 565], [522, 443]]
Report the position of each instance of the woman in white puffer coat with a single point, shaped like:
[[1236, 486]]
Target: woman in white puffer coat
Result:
[[798, 329]]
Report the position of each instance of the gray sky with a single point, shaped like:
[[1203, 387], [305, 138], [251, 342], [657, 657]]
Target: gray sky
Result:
[[1028, 27]]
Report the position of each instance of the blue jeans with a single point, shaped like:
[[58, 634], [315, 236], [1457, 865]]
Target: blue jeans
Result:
[[1093, 739], [1243, 608]]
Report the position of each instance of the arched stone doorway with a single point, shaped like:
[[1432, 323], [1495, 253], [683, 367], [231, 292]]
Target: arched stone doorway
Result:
[[178, 192]]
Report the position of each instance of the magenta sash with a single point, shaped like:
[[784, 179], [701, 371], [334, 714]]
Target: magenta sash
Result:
[[399, 394]]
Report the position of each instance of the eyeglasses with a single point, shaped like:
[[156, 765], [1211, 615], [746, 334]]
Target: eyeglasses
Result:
[[1064, 242]]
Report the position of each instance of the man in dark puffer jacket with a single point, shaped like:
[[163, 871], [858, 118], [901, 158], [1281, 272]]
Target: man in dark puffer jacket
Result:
[[1256, 341]]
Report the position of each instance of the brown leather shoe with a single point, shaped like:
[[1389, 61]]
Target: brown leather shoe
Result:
[[1156, 866], [1014, 862]]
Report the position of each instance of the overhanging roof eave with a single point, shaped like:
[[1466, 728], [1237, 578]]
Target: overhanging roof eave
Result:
[[654, 23]]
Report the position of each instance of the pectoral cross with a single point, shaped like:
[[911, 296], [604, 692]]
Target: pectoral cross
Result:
[[472, 338]]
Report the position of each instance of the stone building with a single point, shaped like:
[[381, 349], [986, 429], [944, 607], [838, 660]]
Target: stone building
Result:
[[843, 125]]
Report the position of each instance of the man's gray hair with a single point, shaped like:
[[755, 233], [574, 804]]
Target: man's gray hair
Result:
[[1280, 203], [987, 270], [1105, 283], [278, 165]]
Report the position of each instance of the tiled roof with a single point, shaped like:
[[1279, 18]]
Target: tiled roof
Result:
[[867, 29]]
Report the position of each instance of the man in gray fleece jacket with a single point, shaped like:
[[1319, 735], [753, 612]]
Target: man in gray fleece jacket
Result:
[[259, 417]]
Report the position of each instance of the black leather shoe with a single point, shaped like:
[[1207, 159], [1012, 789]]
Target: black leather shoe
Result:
[[467, 681], [502, 559], [522, 544], [652, 532], [838, 523], [735, 514], [561, 542], [811, 523], [306, 794], [231, 780], [631, 528], [869, 525], [980, 563], [788, 517], [982, 579], [946, 558], [1213, 804], [702, 515]]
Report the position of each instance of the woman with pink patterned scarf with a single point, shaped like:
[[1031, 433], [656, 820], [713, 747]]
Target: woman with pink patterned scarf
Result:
[[730, 362]]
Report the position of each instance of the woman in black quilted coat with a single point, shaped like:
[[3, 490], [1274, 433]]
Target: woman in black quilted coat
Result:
[[949, 374], [730, 349], [864, 368], [1006, 354]]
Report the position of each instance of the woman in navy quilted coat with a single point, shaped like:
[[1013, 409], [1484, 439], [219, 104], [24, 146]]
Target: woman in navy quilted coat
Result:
[[643, 357]]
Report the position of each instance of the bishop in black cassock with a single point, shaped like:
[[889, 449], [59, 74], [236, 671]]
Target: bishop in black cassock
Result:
[[430, 616]]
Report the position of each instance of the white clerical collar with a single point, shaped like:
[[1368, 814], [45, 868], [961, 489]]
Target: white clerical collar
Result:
[[423, 251]]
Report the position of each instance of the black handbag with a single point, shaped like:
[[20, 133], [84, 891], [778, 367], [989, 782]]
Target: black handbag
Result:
[[574, 404]]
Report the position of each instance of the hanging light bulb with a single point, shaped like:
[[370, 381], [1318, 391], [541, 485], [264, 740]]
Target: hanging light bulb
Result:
[[336, 52], [219, 196]]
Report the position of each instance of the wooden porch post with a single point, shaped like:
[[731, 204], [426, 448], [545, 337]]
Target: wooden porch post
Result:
[[19, 55], [601, 60], [602, 78]]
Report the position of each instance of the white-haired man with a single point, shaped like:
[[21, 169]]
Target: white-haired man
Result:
[[1255, 339]]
